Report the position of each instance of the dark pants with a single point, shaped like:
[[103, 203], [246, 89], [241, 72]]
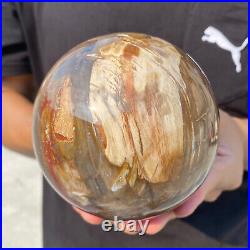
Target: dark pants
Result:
[[219, 224]]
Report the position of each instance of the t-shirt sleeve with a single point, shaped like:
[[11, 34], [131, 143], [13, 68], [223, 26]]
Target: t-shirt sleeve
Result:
[[15, 59], [238, 106]]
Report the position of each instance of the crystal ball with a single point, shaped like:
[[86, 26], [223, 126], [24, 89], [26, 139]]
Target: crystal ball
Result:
[[125, 125]]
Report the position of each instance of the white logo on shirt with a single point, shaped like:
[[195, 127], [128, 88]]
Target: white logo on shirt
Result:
[[213, 35]]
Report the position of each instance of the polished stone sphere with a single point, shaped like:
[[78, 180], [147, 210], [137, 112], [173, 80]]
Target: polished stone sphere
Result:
[[125, 125]]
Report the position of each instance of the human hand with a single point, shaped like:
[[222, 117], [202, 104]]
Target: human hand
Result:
[[226, 174]]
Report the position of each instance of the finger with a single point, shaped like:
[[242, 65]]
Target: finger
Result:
[[157, 223], [223, 150], [213, 196], [189, 206], [90, 218]]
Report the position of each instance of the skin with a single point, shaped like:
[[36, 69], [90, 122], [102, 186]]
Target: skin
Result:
[[17, 114], [226, 173]]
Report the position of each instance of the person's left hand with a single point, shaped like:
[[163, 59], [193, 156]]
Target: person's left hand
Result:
[[226, 174]]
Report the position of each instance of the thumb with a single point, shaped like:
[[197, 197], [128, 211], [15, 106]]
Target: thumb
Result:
[[189, 206]]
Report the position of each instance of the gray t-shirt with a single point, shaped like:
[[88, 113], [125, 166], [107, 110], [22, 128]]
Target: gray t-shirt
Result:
[[36, 35]]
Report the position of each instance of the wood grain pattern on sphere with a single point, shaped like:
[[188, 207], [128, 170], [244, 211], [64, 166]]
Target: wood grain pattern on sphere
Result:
[[63, 120], [139, 111], [126, 125]]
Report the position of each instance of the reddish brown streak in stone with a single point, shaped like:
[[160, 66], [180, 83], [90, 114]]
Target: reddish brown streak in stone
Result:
[[61, 137], [130, 51], [45, 103], [49, 154], [47, 141], [127, 129], [101, 135], [129, 89], [151, 98], [130, 93]]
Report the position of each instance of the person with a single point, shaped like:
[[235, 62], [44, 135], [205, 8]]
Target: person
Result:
[[36, 35]]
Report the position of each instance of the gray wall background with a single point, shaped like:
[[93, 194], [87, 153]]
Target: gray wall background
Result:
[[22, 201]]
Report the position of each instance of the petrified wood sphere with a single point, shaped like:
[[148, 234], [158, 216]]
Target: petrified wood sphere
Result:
[[126, 125]]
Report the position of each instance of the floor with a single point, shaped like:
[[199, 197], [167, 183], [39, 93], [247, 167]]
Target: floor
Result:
[[22, 200]]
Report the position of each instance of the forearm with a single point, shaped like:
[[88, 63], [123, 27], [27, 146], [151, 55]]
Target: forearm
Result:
[[16, 121]]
